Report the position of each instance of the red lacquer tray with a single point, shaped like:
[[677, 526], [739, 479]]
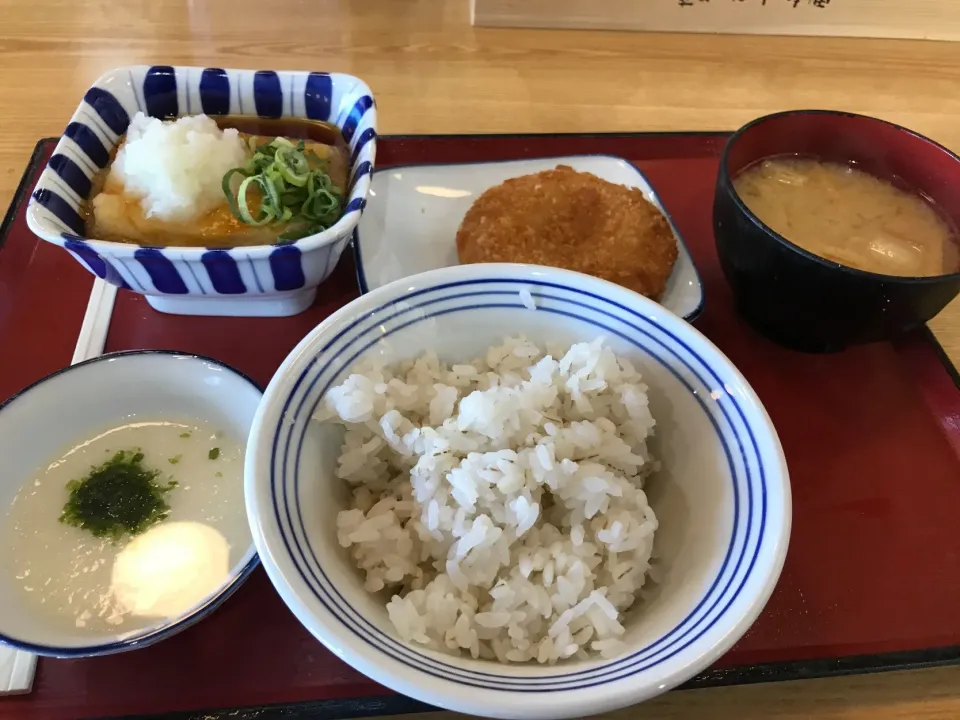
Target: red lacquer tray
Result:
[[872, 438]]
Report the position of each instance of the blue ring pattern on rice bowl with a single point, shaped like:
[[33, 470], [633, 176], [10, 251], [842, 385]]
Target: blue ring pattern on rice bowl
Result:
[[725, 414]]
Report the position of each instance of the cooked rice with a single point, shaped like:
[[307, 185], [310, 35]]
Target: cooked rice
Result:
[[499, 502], [527, 299]]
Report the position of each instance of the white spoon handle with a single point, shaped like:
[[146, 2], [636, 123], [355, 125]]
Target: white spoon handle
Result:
[[96, 322]]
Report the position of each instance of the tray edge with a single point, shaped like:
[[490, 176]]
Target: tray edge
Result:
[[372, 706], [20, 194]]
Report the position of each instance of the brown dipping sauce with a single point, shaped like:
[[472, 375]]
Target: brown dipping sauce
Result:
[[219, 228], [293, 128], [850, 217]]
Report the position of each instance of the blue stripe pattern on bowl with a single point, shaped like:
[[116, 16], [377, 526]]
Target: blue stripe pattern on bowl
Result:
[[56, 212], [725, 413]]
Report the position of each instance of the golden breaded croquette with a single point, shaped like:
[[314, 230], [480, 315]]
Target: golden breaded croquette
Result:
[[572, 220]]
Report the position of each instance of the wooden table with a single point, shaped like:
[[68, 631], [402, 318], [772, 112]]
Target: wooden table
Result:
[[433, 73]]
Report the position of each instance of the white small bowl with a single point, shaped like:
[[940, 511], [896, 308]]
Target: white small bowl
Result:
[[256, 280], [722, 497], [38, 422]]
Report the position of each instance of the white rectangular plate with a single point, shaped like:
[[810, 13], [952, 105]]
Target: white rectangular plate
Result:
[[413, 214]]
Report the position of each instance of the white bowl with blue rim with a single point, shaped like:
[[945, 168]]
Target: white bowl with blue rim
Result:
[[411, 223], [74, 404], [722, 496], [260, 280]]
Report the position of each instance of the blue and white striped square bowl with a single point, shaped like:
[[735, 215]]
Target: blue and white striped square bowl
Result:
[[262, 280]]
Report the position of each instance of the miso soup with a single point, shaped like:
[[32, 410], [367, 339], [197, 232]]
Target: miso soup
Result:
[[850, 217]]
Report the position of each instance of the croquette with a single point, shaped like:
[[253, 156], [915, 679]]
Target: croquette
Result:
[[572, 220]]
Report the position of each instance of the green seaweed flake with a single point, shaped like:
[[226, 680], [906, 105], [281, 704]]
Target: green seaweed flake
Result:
[[116, 498]]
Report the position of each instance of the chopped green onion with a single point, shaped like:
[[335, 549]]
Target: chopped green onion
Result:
[[293, 166], [293, 186], [227, 185], [265, 214]]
